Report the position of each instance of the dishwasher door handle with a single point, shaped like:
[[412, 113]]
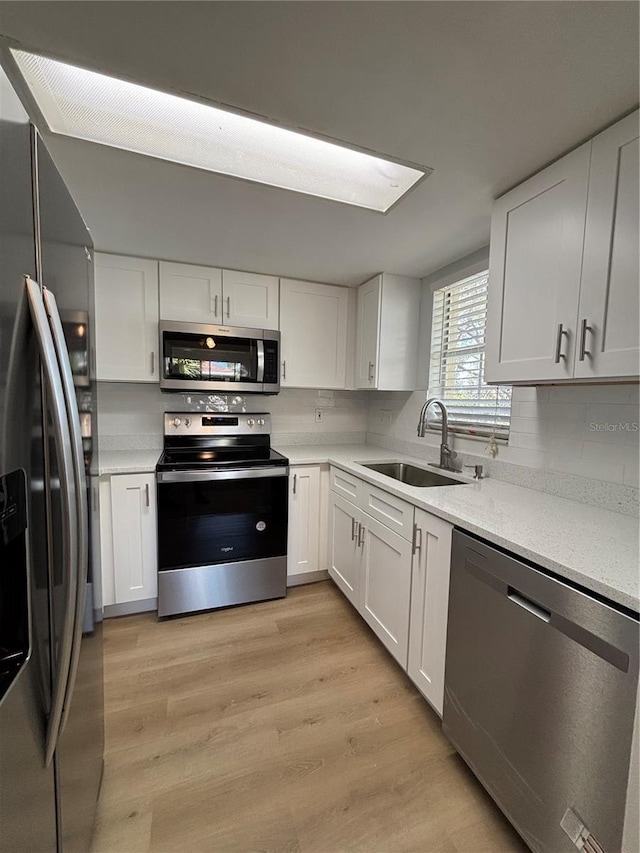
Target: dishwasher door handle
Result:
[[527, 604]]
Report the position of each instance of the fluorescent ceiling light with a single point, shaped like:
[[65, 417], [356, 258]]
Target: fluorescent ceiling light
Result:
[[87, 105]]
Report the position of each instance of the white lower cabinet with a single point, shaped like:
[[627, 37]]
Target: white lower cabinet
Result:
[[129, 558], [429, 606], [344, 548], [371, 565], [307, 545], [386, 586], [397, 579]]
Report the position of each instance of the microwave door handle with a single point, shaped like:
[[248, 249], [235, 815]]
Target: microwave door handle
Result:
[[62, 437], [260, 372], [82, 515]]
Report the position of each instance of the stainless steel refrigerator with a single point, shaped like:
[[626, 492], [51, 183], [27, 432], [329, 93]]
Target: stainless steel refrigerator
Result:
[[51, 679]]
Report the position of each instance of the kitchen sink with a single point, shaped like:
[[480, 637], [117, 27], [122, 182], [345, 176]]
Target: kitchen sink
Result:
[[411, 475]]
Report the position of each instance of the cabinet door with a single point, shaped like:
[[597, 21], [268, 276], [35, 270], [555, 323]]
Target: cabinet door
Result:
[[369, 296], [126, 318], [313, 326], [537, 233], [386, 587], [190, 294], [344, 551], [303, 549], [135, 561], [250, 300], [429, 607], [608, 332]]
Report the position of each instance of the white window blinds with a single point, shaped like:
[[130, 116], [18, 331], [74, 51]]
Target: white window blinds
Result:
[[457, 361]]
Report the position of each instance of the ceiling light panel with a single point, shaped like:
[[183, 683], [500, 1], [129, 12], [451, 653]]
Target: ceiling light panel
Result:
[[98, 108]]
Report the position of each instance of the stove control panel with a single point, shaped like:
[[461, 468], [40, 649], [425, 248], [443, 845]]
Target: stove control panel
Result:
[[216, 423]]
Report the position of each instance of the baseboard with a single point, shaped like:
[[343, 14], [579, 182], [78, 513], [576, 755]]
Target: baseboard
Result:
[[128, 608], [307, 577]]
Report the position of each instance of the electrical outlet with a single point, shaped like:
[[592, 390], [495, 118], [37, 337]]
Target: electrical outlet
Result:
[[319, 416]]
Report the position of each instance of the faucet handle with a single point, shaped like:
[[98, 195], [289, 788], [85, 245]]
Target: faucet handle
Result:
[[478, 469]]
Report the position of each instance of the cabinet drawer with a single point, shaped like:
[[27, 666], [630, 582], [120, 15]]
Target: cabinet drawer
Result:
[[391, 511], [346, 485]]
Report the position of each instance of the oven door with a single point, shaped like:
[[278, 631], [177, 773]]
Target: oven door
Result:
[[207, 518], [211, 358]]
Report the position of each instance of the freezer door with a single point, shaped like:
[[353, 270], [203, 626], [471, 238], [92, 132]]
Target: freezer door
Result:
[[67, 277], [27, 791]]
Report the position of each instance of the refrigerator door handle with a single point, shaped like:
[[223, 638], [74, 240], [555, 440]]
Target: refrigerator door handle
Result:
[[62, 439], [82, 515]]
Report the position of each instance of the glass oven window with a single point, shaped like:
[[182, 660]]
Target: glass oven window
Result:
[[209, 358], [224, 521]]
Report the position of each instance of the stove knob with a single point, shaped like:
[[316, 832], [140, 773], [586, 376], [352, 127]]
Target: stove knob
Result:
[[187, 422], [176, 422], [250, 422], [260, 421]]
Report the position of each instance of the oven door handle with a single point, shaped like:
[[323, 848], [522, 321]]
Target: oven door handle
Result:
[[200, 476]]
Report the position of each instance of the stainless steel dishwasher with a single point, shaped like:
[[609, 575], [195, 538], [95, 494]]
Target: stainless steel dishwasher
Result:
[[540, 694]]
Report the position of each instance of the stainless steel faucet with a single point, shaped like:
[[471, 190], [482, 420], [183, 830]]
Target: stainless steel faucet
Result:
[[447, 455]]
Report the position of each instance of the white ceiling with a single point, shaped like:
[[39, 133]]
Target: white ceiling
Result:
[[486, 93]]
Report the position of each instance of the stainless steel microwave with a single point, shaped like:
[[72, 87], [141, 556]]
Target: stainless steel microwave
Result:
[[198, 357]]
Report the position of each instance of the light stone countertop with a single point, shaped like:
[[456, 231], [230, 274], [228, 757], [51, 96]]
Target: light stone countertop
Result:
[[593, 547], [127, 461]]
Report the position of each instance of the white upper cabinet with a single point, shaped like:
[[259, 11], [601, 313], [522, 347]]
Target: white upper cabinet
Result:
[[314, 321], [190, 294], [367, 333], [250, 300], [608, 333], [387, 334], [563, 278], [126, 319], [537, 233], [195, 294]]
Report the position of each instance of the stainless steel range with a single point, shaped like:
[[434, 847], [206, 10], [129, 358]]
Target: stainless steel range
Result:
[[222, 512]]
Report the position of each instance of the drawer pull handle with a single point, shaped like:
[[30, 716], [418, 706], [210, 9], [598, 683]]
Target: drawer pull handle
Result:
[[147, 496], [354, 527], [360, 535], [295, 480]]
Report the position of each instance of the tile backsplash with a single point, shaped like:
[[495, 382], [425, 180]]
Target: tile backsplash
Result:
[[136, 410], [580, 442], [590, 431]]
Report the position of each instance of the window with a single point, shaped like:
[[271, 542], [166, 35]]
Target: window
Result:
[[457, 362]]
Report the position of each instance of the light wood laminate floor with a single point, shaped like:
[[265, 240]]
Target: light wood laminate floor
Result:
[[280, 726]]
